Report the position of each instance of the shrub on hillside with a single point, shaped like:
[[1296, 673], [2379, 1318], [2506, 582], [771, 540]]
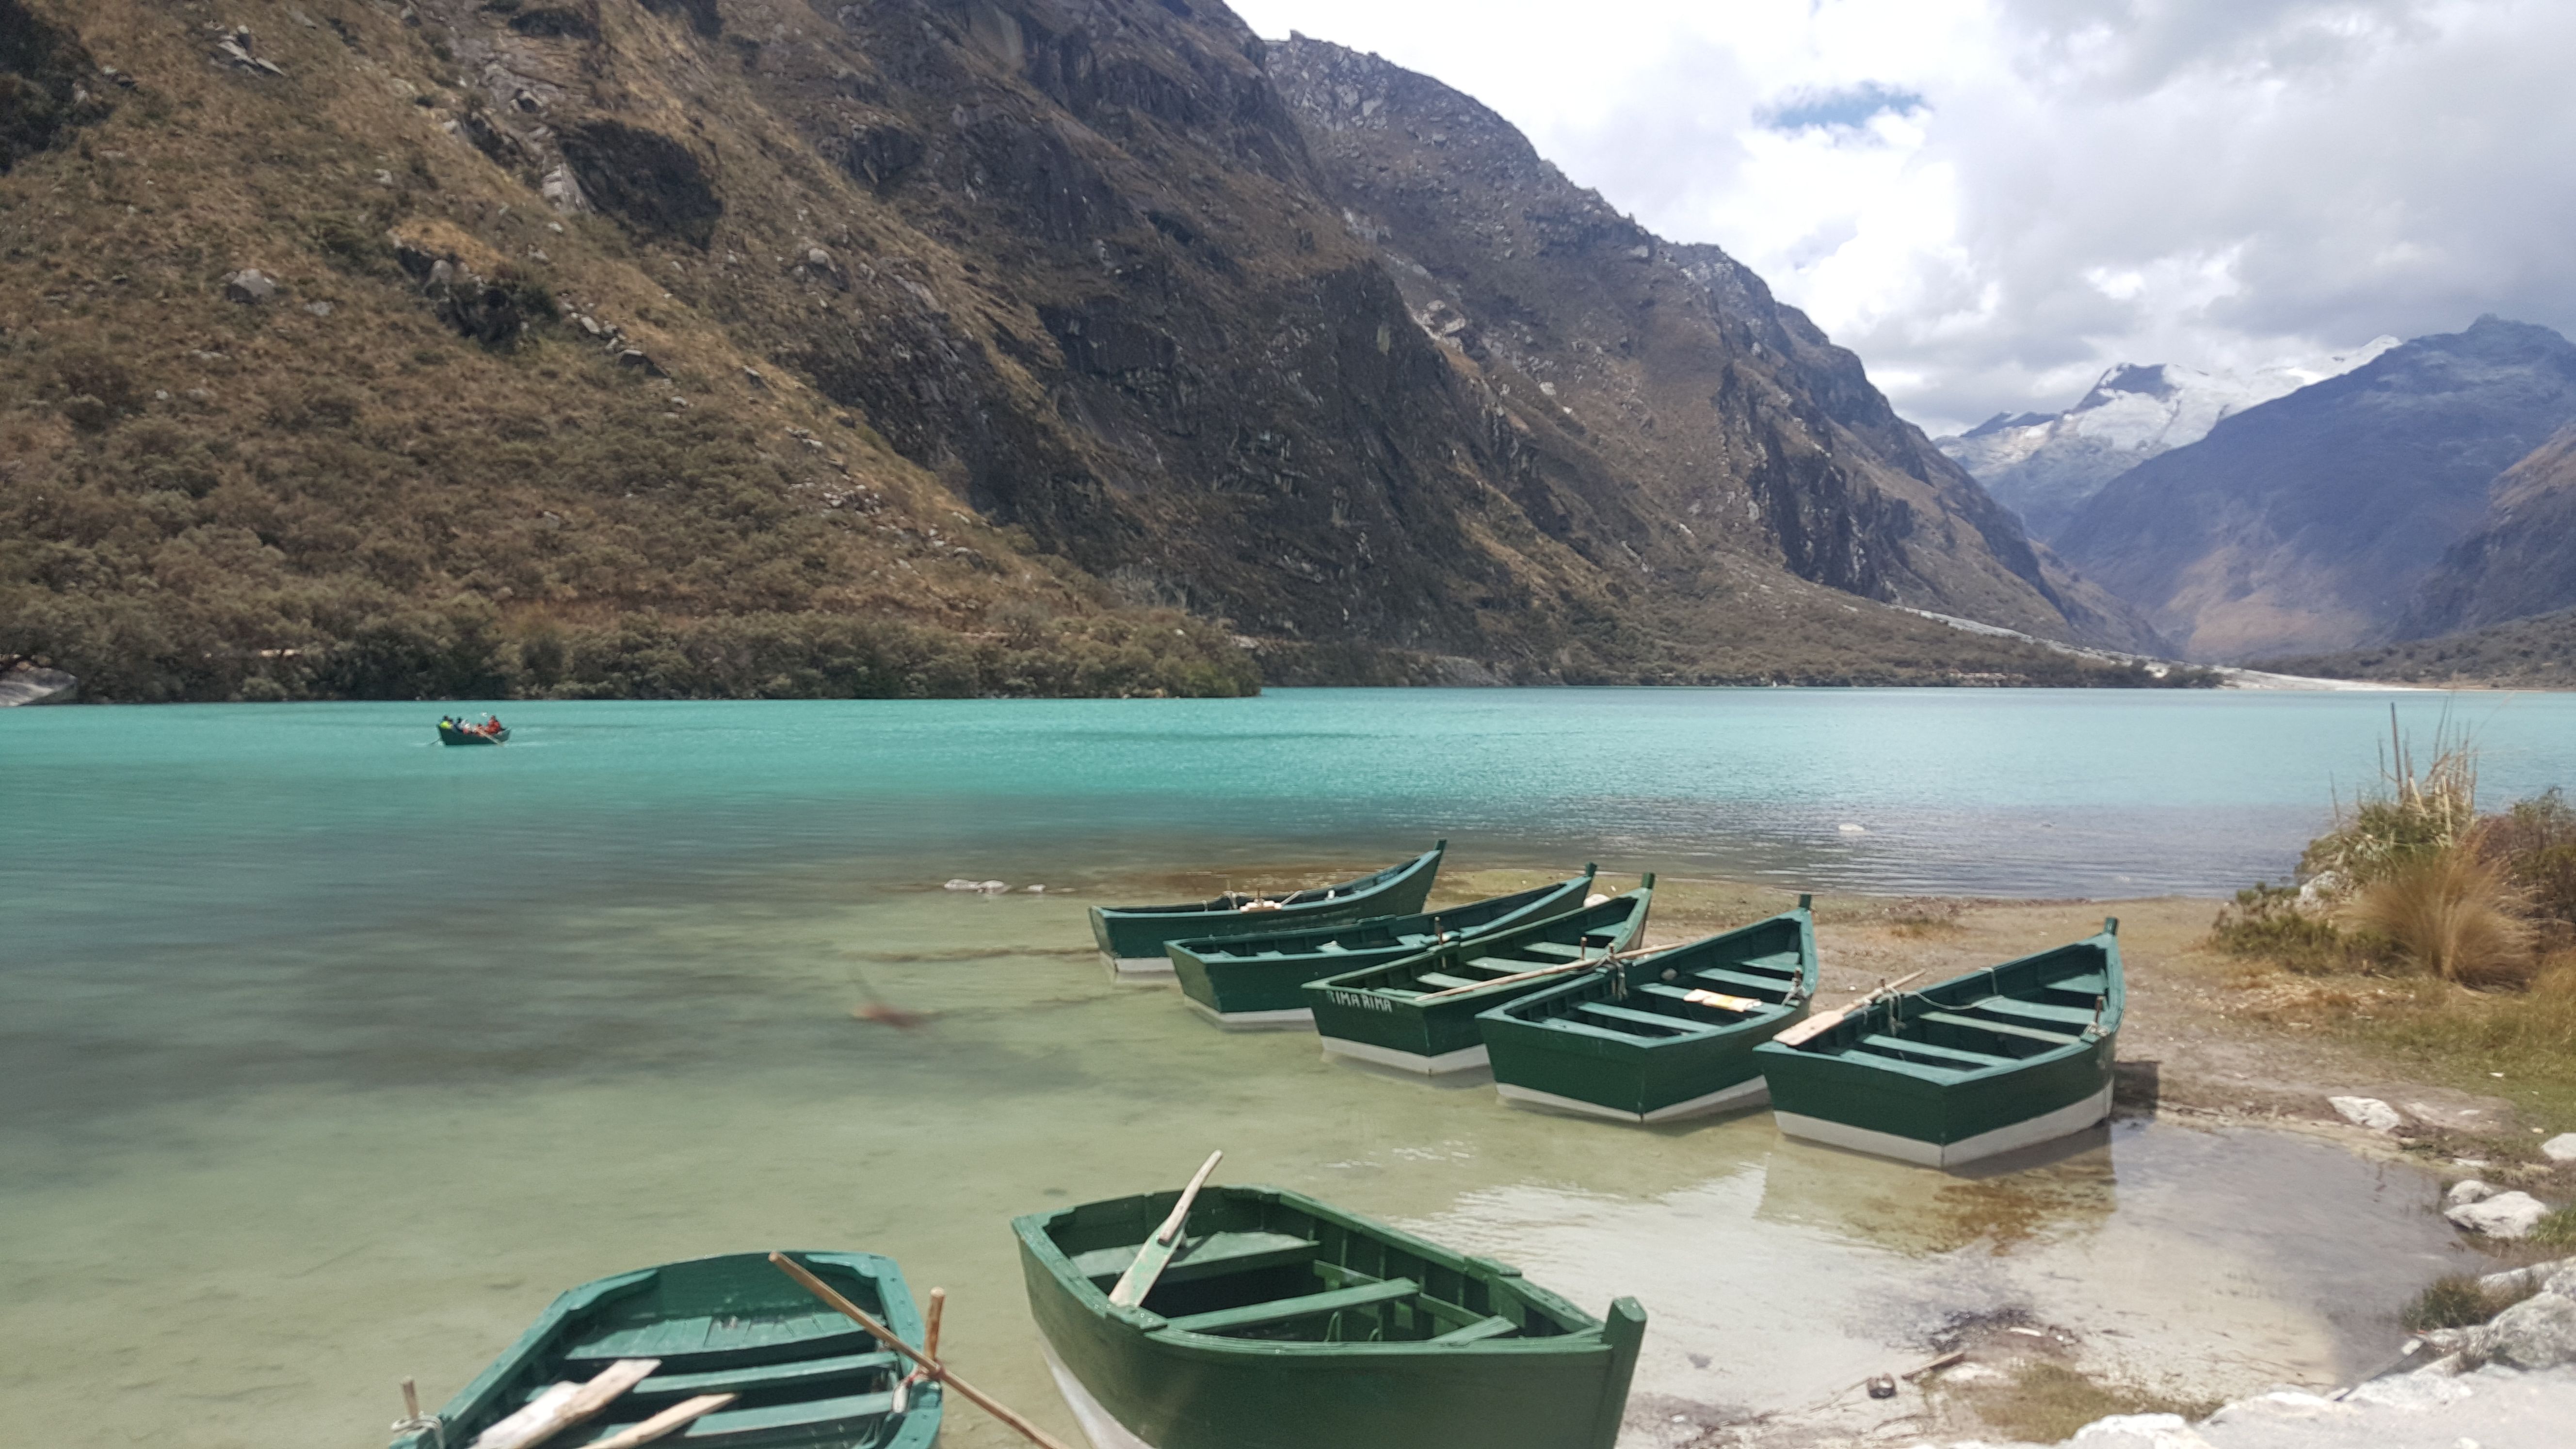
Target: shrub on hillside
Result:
[[2276, 923], [2452, 912]]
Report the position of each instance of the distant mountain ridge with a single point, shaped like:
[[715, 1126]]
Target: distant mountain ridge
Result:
[[2306, 524], [2045, 466]]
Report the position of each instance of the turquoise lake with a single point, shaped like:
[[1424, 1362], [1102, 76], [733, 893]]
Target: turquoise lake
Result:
[[328, 1055]]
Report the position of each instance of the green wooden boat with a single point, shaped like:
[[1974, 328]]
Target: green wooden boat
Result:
[[465, 732], [1285, 1323], [1998, 1059], [1419, 1014], [1132, 938], [1658, 1037], [805, 1376], [1251, 982]]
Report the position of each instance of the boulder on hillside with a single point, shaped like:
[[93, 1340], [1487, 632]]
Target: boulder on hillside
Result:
[[2537, 1333], [250, 286]]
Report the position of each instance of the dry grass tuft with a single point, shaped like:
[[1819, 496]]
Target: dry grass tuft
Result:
[[2452, 912], [2456, 1301]]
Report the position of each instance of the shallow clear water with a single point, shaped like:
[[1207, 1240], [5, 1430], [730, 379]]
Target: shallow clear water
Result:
[[328, 1055]]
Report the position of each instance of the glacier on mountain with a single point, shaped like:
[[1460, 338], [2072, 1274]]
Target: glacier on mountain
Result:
[[2044, 466]]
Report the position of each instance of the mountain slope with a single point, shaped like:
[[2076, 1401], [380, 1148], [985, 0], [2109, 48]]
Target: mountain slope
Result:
[[753, 346], [1688, 412], [2534, 653], [2305, 524], [2520, 560], [2044, 466]]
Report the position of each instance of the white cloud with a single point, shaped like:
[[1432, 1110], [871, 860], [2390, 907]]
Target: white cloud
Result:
[[2219, 183]]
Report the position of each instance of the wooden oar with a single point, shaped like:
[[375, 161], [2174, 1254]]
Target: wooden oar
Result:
[[1560, 969], [670, 1421], [1825, 1021], [564, 1405], [931, 1367], [1156, 1252]]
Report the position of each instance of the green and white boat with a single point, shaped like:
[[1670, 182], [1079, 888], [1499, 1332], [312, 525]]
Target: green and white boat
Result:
[[1251, 982], [1419, 1014], [1132, 938], [1659, 1037], [1285, 1323], [1981, 1064], [803, 1376]]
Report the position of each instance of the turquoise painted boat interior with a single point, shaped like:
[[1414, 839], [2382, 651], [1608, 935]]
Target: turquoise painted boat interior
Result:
[[1968, 1057], [1127, 933], [805, 1376], [1658, 1033]]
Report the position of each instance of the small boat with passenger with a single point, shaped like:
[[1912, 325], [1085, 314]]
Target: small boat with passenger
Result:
[[489, 731]]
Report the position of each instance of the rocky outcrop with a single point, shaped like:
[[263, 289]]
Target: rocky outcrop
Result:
[[30, 684], [48, 84], [2306, 524], [1660, 401], [2519, 561]]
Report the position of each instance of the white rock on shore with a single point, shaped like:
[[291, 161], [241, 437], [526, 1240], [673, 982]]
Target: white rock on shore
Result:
[[2505, 1215], [2561, 1148], [2466, 1191], [27, 684], [2494, 1408], [2368, 1112]]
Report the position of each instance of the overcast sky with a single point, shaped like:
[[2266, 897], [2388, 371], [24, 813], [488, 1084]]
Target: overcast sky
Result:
[[1992, 200]]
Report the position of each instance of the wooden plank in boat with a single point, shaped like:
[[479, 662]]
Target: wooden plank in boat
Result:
[[1959, 1057], [1281, 1310], [1715, 976], [2000, 1028], [792, 1374], [1616, 1015], [1480, 1330]]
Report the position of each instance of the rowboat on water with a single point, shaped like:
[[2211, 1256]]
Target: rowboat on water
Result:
[[1251, 982], [1658, 1037], [799, 1373], [1132, 938], [1419, 1014], [452, 731], [1285, 1323], [1986, 1063]]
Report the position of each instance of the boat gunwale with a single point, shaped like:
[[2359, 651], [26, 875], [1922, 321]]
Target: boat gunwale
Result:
[[1229, 905], [1214, 950]]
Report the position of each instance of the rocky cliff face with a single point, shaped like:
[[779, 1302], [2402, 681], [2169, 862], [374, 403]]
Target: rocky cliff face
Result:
[[1656, 397], [745, 346], [2307, 524], [2044, 466], [2521, 558]]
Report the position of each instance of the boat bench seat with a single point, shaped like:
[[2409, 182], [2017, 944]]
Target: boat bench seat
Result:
[[1736, 983], [2088, 986], [1956, 1058], [1628, 1016], [796, 1373], [1446, 982], [1785, 963], [2000, 1028], [1203, 1257], [1557, 949], [687, 1344], [1682, 994], [1310, 1305], [2078, 1017], [1480, 1330], [776, 1423]]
